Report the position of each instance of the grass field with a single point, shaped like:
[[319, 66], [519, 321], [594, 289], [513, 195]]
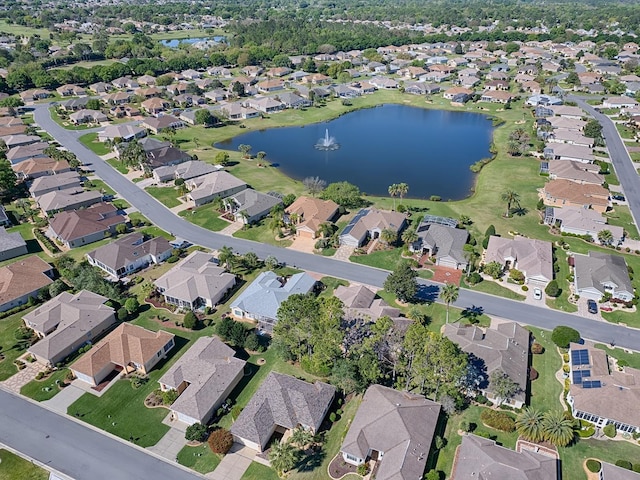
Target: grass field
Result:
[[41, 390], [118, 165], [257, 471], [165, 195], [13, 467], [200, 458], [545, 390], [261, 233], [493, 288], [206, 217], [90, 140]]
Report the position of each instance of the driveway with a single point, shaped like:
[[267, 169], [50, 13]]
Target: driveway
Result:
[[234, 463], [303, 244], [60, 403], [170, 445]]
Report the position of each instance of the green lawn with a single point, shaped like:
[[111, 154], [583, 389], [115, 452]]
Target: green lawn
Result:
[[632, 358], [41, 390], [97, 184], [13, 467], [66, 123], [120, 204], [261, 233], [118, 165], [206, 217], [621, 216], [494, 288], [9, 347], [625, 132], [90, 140], [574, 456], [331, 284], [546, 390], [385, 259], [562, 301], [257, 471], [631, 319], [165, 195], [200, 458]]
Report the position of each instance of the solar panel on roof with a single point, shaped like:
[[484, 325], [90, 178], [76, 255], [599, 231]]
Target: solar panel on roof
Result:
[[579, 357], [591, 384]]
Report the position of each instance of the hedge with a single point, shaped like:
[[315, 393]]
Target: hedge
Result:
[[593, 465], [46, 241], [498, 420]]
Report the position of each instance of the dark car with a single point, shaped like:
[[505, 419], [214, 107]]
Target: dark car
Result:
[[592, 306], [620, 198]]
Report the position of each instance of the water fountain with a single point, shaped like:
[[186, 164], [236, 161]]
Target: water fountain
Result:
[[327, 143]]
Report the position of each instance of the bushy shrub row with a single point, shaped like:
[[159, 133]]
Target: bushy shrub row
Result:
[[46, 241], [498, 420]]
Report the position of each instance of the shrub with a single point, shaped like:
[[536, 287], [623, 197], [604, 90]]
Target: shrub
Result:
[[190, 320], [553, 290], [624, 464], [562, 336], [464, 426], [195, 432], [435, 198], [474, 278], [593, 465], [433, 475], [252, 342], [537, 348], [533, 374], [332, 417], [636, 467], [122, 314], [481, 399], [623, 363], [236, 411], [610, 431], [525, 288], [498, 420], [363, 469], [220, 441]]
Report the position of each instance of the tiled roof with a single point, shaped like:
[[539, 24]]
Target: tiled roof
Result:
[[22, 277]]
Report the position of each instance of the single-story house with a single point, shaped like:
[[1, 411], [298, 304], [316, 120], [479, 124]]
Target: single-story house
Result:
[[204, 377], [19, 140], [393, 428], [532, 257], [479, 458], [619, 102], [250, 206], [261, 300], [129, 254], [80, 227], [159, 124], [69, 199], [165, 156], [369, 223], [11, 245], [23, 279], [308, 213], [74, 104], [19, 154], [187, 170], [154, 105], [565, 193], [577, 172], [265, 104], [573, 137], [600, 393], [129, 348], [66, 323], [597, 274], [496, 96], [443, 242], [361, 302], [87, 116], [40, 167], [282, 403], [206, 188], [582, 221], [568, 151], [52, 183], [125, 132], [4, 218], [196, 281], [502, 347]]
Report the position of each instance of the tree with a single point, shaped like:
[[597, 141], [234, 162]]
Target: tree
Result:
[[133, 154], [530, 424], [204, 117], [226, 256], [344, 376], [493, 269], [388, 236], [393, 191], [251, 260], [7, 176], [552, 289], [605, 237], [562, 336], [220, 441], [300, 437], [314, 185], [593, 129], [573, 79], [131, 305], [93, 104], [252, 342], [121, 228], [283, 457], [57, 287], [449, 293], [402, 190], [502, 386], [344, 194], [261, 155], [402, 282], [238, 89], [409, 236], [245, 149], [190, 320], [558, 429], [271, 262], [195, 432], [512, 198], [222, 158]]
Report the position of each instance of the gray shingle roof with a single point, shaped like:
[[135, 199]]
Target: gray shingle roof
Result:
[[255, 203], [400, 425], [532, 257], [209, 367], [447, 241], [480, 458], [595, 269], [126, 250], [284, 401], [9, 241]]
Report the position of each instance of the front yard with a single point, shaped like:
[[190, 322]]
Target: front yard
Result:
[[10, 347], [206, 217], [168, 196], [13, 467], [46, 389], [90, 140]]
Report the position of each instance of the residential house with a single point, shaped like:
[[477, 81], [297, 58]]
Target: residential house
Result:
[[309, 213], [532, 257], [565, 193], [204, 378], [395, 429], [293, 100], [11, 245], [80, 227], [496, 96], [196, 281], [124, 132], [573, 137], [23, 279], [619, 102], [87, 116], [361, 302], [19, 140], [149, 92], [457, 93], [272, 85], [67, 322], [19, 154], [265, 104], [100, 88], [70, 199], [127, 349], [4, 218], [164, 157], [262, 298], [129, 254], [504, 347], [162, 123], [421, 88], [250, 206], [577, 172], [598, 274], [369, 224], [219, 184], [146, 80], [582, 221], [613, 472], [33, 95], [191, 74], [186, 170], [602, 392], [567, 111], [52, 183], [155, 106], [480, 458], [117, 98], [384, 83], [282, 403], [70, 90], [445, 243], [570, 124]]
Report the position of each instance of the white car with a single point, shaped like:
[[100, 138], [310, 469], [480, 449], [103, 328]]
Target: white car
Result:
[[537, 294]]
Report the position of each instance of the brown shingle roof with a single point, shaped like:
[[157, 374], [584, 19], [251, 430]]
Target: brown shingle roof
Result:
[[80, 223], [587, 194], [22, 277], [312, 211]]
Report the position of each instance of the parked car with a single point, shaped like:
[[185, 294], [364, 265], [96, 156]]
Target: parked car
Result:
[[537, 294], [619, 198], [592, 306]]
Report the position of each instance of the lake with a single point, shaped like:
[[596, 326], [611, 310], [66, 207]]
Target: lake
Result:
[[176, 42], [430, 150]]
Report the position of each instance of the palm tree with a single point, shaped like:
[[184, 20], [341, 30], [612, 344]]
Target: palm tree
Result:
[[403, 189], [283, 457], [530, 424], [393, 191], [558, 430], [409, 236], [512, 198], [605, 237], [301, 437], [449, 293], [226, 256], [388, 236], [275, 223]]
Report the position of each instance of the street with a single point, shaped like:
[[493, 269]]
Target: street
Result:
[[159, 215]]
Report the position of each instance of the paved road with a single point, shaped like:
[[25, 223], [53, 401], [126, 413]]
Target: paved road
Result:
[[626, 172], [162, 217], [74, 449]]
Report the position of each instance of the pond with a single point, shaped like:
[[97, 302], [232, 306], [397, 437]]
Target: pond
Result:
[[430, 150], [175, 43]]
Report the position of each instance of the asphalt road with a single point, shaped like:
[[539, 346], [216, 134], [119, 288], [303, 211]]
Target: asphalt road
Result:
[[626, 172], [163, 218], [74, 449]]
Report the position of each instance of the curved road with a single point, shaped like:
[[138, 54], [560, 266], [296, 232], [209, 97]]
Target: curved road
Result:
[[163, 218]]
